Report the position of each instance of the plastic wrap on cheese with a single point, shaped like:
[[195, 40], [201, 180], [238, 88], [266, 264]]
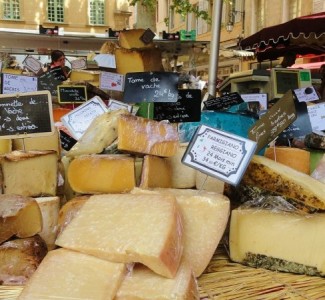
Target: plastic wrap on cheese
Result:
[[65, 274], [129, 228], [145, 136]]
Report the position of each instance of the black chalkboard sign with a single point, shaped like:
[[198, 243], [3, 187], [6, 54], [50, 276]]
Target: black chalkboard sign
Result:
[[186, 109], [72, 93], [66, 141], [150, 87], [49, 80], [27, 114], [223, 102]]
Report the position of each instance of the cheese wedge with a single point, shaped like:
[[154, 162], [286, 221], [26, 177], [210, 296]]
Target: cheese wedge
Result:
[[145, 136], [20, 258], [137, 228], [208, 183], [182, 176], [65, 274], [295, 158], [205, 217], [100, 134], [84, 75], [143, 284], [131, 39], [19, 216], [156, 172], [30, 173], [49, 207], [270, 175], [319, 171], [280, 241], [100, 173], [5, 146]]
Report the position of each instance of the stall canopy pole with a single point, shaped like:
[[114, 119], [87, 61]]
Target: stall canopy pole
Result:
[[214, 47]]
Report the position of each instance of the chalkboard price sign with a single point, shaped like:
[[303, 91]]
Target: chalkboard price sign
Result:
[[25, 115], [72, 93], [223, 102], [150, 87], [186, 109], [50, 80]]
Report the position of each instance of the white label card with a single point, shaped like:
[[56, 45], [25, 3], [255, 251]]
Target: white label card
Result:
[[105, 60], [219, 154], [306, 94], [261, 98], [12, 83], [32, 64], [111, 81], [115, 105], [78, 64], [317, 116]]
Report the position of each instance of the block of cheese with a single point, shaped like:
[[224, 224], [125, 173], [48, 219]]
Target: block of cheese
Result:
[[205, 217], [65, 274], [131, 39], [84, 75], [281, 241], [273, 176], [68, 193], [5, 146], [319, 171], [50, 214], [101, 173], [143, 284], [295, 158], [182, 175], [145, 136], [156, 172], [19, 216], [208, 183], [144, 60], [30, 173], [51, 142], [20, 258], [101, 133], [128, 228], [138, 169]]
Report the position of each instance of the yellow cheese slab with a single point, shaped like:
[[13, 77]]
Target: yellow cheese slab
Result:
[[65, 274], [279, 235], [30, 173], [130, 39], [143, 284], [208, 183], [101, 173], [156, 172], [145, 136], [205, 217], [128, 228], [5, 146]]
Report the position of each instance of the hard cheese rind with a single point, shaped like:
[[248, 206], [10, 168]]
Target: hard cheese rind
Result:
[[276, 240], [65, 274], [129, 228]]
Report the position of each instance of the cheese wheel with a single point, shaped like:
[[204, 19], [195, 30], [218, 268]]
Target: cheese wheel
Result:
[[131, 39]]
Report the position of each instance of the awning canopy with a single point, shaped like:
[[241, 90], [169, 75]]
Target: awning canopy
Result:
[[302, 35]]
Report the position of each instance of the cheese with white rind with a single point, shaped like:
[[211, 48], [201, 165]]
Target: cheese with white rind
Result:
[[65, 274], [156, 172], [49, 207], [280, 241], [205, 217], [143, 284], [145, 136], [270, 175], [19, 216], [101, 133], [101, 173], [30, 173], [20, 258], [182, 176], [127, 222]]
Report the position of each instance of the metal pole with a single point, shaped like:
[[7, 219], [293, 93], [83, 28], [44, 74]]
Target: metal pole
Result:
[[214, 47]]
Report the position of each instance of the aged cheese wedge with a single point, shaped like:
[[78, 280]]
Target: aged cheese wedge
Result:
[[20, 258], [101, 173], [130, 39], [182, 176], [20, 216], [50, 214], [65, 274], [129, 228], [100, 134], [84, 75], [280, 241], [205, 217], [143, 284], [30, 173], [208, 183], [270, 175], [144, 60], [295, 158], [145, 136], [156, 172], [5, 146]]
